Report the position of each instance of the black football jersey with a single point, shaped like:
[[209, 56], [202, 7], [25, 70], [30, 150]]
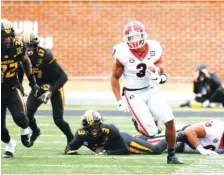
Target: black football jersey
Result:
[[43, 66], [10, 59], [110, 140]]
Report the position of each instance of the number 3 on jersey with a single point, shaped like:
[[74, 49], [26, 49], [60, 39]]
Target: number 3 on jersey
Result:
[[142, 67]]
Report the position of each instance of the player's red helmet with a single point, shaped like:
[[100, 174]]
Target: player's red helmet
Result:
[[92, 122], [135, 35], [7, 34]]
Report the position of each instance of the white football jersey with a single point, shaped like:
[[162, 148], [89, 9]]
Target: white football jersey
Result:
[[135, 66], [214, 136]]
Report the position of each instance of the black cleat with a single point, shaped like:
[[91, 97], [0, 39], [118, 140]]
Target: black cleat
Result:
[[26, 140], [34, 135], [7, 154], [174, 160]]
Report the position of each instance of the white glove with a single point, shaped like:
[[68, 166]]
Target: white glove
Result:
[[45, 97], [154, 73], [121, 105], [206, 151]]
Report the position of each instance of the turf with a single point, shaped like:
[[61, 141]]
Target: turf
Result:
[[46, 156]]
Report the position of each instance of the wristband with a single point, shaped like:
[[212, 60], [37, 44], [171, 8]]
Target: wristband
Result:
[[163, 78], [200, 149]]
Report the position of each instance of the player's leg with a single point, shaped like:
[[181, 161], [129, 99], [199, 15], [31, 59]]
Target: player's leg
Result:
[[32, 105], [57, 101], [5, 137], [139, 146], [17, 108], [141, 114], [162, 111]]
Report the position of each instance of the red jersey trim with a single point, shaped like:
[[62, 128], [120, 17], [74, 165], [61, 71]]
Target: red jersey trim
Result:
[[144, 53], [222, 142]]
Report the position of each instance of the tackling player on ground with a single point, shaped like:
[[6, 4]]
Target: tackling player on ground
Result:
[[135, 59], [13, 51], [51, 78], [107, 139]]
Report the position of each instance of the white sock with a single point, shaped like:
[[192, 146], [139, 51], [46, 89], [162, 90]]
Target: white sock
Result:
[[10, 146], [24, 131]]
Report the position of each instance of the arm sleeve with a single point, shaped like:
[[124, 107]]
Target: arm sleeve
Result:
[[215, 81], [63, 78], [76, 143], [121, 148]]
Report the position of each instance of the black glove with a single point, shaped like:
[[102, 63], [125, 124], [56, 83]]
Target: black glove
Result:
[[35, 89], [33, 84]]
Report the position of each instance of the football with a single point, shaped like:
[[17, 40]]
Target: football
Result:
[[153, 68]]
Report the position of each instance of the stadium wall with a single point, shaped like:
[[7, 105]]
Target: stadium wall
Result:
[[84, 32]]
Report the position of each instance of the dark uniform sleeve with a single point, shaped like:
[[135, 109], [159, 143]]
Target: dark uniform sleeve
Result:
[[76, 143], [121, 146], [215, 82], [55, 67]]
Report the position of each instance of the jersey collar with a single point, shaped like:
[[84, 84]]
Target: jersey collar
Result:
[[144, 53]]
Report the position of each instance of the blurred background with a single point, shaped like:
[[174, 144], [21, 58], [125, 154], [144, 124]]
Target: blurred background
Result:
[[83, 33]]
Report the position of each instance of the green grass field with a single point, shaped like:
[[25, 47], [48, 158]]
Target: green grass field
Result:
[[46, 156]]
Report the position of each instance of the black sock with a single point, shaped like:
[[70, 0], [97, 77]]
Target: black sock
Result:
[[33, 125], [171, 152]]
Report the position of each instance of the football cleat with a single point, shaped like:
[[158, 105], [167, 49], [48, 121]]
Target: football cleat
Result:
[[174, 160], [25, 139], [34, 136], [7, 154]]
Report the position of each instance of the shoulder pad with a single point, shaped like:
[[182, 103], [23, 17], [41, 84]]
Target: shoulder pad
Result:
[[106, 130], [45, 53], [19, 42], [119, 51], [155, 48], [81, 132]]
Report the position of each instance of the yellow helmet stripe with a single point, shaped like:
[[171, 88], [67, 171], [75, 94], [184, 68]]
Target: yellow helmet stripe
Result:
[[7, 26], [90, 117], [27, 38]]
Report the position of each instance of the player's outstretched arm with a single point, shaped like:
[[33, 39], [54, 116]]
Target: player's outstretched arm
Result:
[[74, 145], [193, 134]]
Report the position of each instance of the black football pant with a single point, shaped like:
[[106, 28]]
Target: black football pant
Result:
[[218, 96], [57, 102], [139, 146], [13, 100]]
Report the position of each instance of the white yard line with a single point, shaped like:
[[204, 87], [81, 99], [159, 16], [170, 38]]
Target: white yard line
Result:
[[203, 166], [83, 165], [84, 156]]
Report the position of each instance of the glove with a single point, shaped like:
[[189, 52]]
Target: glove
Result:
[[45, 97], [154, 73], [206, 151], [71, 152], [103, 152], [209, 152], [35, 89], [122, 106]]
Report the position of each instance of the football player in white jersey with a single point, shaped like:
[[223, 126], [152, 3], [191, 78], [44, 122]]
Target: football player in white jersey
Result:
[[139, 61], [206, 138]]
